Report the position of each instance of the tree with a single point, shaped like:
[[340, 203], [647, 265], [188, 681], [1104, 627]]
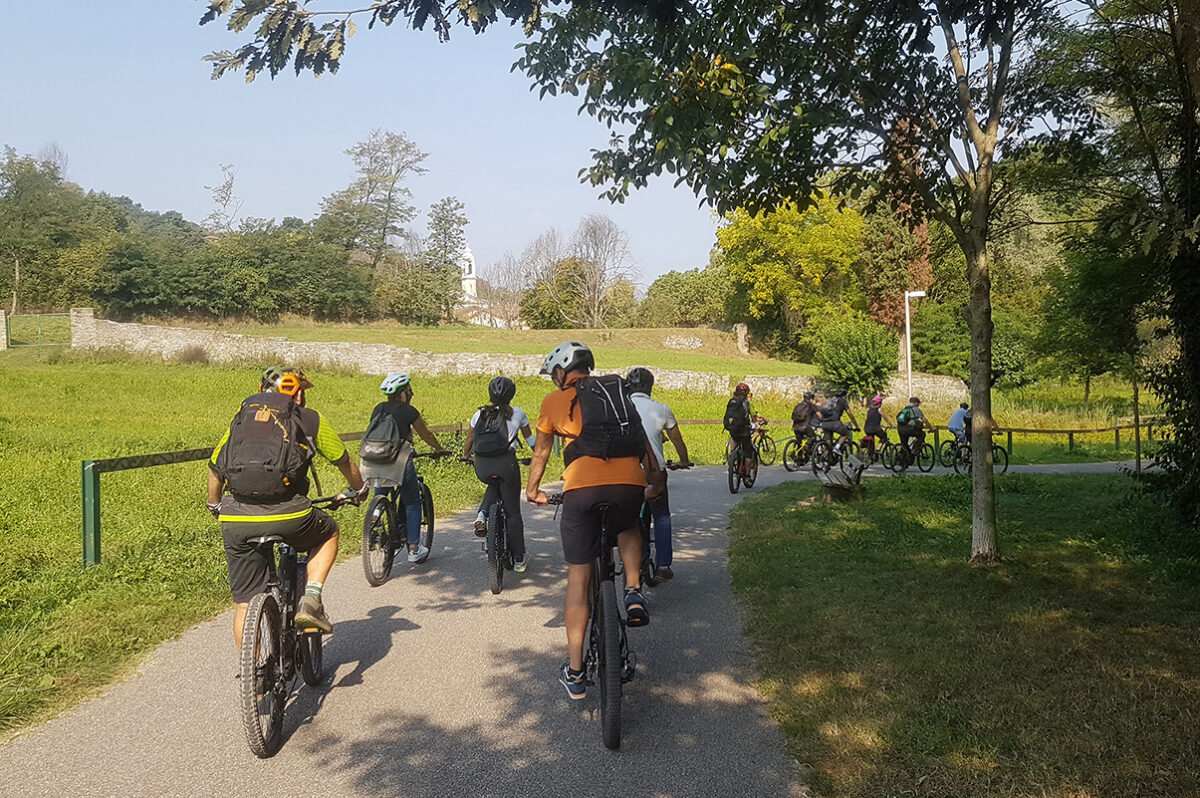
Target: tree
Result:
[[375, 207], [444, 248], [687, 299], [501, 287], [855, 353], [577, 280], [225, 205], [554, 301]]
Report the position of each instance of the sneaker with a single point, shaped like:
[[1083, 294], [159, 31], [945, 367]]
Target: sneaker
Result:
[[573, 681], [419, 554], [663, 573], [481, 525], [520, 563], [310, 614], [635, 607]]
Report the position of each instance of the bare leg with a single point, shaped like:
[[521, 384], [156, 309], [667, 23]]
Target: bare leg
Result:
[[239, 618], [629, 544], [575, 613]]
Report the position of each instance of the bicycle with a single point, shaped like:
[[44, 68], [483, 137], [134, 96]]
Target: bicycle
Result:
[[385, 529], [962, 459], [273, 650], [923, 456], [649, 563], [872, 454], [764, 444], [798, 451], [607, 658], [948, 451], [742, 470], [495, 543], [826, 454]]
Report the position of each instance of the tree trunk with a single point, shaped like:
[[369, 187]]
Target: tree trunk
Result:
[[1087, 390], [16, 281], [983, 486], [1137, 419]]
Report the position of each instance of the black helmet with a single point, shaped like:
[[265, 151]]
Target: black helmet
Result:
[[501, 390], [965, 406], [809, 395], [640, 380], [840, 392]]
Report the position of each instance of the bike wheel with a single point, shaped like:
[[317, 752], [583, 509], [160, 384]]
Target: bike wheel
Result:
[[264, 686], [379, 541], [791, 455], [946, 453], [926, 458], [735, 480], [887, 456], [903, 458], [426, 517], [962, 460], [609, 665], [766, 450], [648, 566], [822, 454], [311, 658], [751, 473], [495, 547], [999, 458]]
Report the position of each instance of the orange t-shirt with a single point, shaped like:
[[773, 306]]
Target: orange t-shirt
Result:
[[556, 417]]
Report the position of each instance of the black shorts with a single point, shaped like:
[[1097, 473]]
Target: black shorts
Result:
[[250, 565], [836, 428], [580, 527]]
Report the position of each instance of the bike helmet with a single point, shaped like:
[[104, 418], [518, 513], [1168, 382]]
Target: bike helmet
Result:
[[395, 382], [501, 390], [568, 356], [840, 392], [284, 379], [741, 389], [640, 380], [965, 406], [876, 401], [809, 395], [914, 400]]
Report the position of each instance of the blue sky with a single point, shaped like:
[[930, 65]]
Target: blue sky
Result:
[[120, 86]]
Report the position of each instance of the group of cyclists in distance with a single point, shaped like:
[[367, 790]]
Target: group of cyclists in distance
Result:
[[614, 434]]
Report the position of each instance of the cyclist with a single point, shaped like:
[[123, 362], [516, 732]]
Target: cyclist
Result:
[[830, 413], [959, 420], [804, 416], [911, 425], [587, 481], [289, 514], [658, 420], [739, 422], [399, 390], [493, 450], [873, 425]]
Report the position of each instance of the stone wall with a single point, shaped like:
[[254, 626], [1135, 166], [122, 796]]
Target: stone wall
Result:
[[169, 343], [3, 331]]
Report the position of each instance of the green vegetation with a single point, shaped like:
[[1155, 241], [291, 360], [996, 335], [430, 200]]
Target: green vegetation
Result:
[[894, 668]]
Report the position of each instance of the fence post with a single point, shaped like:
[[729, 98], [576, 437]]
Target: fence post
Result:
[[936, 443], [1070, 441], [1010, 443], [1117, 437], [91, 513]]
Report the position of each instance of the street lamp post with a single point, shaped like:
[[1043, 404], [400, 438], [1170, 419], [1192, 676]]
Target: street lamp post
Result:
[[908, 336]]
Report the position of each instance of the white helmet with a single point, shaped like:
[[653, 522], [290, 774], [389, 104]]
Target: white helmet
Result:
[[396, 381], [568, 356]]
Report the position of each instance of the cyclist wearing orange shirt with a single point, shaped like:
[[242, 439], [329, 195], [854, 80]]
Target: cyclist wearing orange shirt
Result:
[[587, 481]]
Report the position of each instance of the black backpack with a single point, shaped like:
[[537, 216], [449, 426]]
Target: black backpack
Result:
[[268, 452], [736, 418], [381, 443], [611, 426], [491, 433]]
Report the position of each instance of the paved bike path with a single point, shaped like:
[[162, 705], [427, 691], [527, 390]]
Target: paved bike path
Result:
[[435, 687]]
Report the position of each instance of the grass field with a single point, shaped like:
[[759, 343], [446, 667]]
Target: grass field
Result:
[[894, 669]]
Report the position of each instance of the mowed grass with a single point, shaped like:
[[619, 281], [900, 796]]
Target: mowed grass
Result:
[[615, 349], [895, 669]]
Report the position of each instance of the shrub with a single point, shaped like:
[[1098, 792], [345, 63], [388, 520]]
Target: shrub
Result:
[[193, 354], [855, 353]]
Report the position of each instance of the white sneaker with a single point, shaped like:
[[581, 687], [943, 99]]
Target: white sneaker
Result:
[[419, 554], [481, 524], [520, 563]]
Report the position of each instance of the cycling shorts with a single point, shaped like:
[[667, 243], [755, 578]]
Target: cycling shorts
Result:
[[250, 565], [580, 526]]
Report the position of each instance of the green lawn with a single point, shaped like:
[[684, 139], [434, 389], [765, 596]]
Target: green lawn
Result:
[[895, 669]]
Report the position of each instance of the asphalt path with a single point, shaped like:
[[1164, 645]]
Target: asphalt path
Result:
[[435, 687]]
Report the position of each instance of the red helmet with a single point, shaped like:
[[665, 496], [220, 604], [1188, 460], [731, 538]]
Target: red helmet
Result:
[[742, 389]]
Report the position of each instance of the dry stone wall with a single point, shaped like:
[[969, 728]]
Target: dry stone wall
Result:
[[169, 343]]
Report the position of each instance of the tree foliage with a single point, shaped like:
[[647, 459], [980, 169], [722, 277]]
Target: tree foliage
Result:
[[855, 353], [687, 299]]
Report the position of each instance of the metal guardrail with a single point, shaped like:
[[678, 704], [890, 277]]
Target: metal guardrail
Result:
[[14, 344]]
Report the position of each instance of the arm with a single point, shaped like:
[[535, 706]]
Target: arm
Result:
[[349, 470], [676, 439], [527, 434], [537, 468], [467, 443], [215, 485], [427, 436]]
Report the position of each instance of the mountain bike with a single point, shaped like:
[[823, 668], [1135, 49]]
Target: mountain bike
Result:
[[948, 451], [962, 459], [764, 444], [273, 650], [495, 543], [385, 529], [798, 451], [742, 468], [649, 552], [827, 454], [921, 454], [871, 452], [607, 659]]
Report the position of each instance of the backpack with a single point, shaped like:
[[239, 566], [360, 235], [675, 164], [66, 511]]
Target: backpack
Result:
[[904, 417], [736, 419], [802, 413], [828, 409], [611, 426], [491, 433], [267, 454], [381, 442]]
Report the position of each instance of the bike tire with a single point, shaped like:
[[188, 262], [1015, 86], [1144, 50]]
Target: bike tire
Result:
[[311, 658], [426, 518], [735, 480], [752, 473], [767, 451], [946, 453], [821, 455], [609, 666], [495, 548], [648, 566], [261, 669], [379, 541], [962, 460], [887, 457], [791, 456], [904, 458], [999, 459], [926, 458]]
